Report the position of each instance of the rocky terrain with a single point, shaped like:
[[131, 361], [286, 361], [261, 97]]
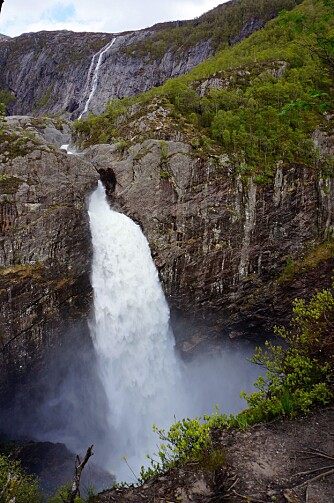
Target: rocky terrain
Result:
[[233, 249], [51, 72], [282, 462], [221, 242], [44, 243]]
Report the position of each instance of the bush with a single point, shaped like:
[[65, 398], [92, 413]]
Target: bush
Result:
[[23, 487], [299, 376]]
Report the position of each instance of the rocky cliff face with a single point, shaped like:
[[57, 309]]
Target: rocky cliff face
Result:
[[45, 74], [44, 243], [221, 242], [51, 72]]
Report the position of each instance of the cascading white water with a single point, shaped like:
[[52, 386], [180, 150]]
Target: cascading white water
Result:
[[95, 78], [131, 335]]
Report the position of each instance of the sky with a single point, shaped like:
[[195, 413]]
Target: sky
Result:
[[112, 16]]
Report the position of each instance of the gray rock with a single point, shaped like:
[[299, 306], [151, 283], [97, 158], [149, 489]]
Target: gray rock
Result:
[[220, 243], [44, 247]]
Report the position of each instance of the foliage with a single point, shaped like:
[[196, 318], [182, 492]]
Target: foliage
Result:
[[23, 487], [187, 440], [6, 97], [272, 91], [2, 115], [300, 375], [219, 28], [63, 492], [308, 262]]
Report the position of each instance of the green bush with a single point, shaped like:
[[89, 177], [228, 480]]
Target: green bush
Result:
[[298, 376], [23, 487]]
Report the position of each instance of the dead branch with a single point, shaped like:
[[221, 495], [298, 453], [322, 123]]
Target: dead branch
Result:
[[316, 452], [321, 453], [309, 472], [2, 493], [10, 488], [79, 466], [320, 476], [248, 498]]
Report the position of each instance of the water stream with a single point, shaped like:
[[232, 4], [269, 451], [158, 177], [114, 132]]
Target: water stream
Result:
[[131, 335], [108, 388], [144, 380], [99, 56]]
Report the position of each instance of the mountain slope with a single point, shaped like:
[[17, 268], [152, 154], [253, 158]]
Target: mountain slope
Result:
[[230, 172], [48, 72]]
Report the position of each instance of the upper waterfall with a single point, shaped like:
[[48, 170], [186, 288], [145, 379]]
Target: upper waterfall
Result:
[[131, 334], [95, 78]]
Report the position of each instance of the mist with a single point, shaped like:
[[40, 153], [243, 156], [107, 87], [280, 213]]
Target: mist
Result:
[[66, 401], [108, 385]]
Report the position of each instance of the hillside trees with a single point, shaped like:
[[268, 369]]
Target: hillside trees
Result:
[[259, 101]]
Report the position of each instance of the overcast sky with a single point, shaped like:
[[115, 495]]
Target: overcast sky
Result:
[[22, 16]]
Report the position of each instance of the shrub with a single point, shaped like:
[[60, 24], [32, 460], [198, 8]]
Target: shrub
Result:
[[300, 375], [23, 487]]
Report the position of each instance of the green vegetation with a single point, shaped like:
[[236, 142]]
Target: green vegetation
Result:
[[62, 495], [310, 261], [269, 94], [6, 97], [299, 376], [16, 486], [2, 116], [15, 483], [45, 98], [220, 27]]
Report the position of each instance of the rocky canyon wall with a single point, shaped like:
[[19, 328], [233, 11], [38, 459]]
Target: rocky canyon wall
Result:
[[44, 243], [51, 72], [221, 242]]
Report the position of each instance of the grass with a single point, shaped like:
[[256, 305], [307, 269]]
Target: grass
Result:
[[312, 259]]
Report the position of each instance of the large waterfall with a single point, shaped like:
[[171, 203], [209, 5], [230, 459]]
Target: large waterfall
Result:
[[99, 56], [131, 335]]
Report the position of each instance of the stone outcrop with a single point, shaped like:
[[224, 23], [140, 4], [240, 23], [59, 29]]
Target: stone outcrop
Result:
[[45, 75], [273, 461], [51, 72], [221, 242], [44, 243]]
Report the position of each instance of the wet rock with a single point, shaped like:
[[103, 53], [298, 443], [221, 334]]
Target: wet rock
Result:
[[221, 243], [44, 246]]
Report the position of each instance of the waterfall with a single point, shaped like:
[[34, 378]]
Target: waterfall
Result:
[[95, 78], [131, 335]]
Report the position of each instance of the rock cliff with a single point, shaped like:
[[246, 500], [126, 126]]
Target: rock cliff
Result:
[[51, 72], [44, 243], [222, 243]]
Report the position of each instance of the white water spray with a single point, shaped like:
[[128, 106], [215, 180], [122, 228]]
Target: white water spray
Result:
[[131, 335], [95, 78]]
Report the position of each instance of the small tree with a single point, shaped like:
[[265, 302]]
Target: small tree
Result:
[[299, 375]]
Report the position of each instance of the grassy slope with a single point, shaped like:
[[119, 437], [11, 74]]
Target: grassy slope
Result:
[[272, 92], [222, 26]]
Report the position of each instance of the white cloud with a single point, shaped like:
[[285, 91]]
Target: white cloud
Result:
[[21, 16]]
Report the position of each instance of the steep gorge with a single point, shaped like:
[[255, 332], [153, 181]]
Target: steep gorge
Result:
[[232, 250], [222, 243], [44, 244]]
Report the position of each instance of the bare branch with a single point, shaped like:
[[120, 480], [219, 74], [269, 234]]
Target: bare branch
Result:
[[79, 466]]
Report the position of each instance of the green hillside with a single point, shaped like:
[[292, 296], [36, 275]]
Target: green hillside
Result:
[[222, 26], [259, 101]]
